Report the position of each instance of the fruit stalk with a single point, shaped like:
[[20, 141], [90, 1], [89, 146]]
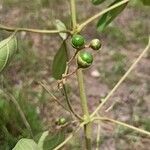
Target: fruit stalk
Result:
[[73, 14]]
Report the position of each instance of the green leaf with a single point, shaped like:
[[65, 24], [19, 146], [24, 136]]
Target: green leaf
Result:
[[26, 144], [59, 62], [61, 27], [97, 2], [53, 141], [108, 17], [146, 2], [42, 139], [8, 48]]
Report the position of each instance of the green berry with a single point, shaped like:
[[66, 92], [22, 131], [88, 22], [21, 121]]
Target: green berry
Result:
[[78, 41], [95, 44], [61, 121], [84, 59]]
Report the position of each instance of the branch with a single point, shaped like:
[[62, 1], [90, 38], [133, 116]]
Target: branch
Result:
[[73, 13], [81, 26], [68, 138], [123, 124], [69, 104], [53, 96], [98, 137], [122, 79], [12, 29]]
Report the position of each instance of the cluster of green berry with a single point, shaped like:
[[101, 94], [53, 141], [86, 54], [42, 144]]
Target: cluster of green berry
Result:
[[61, 121], [84, 59]]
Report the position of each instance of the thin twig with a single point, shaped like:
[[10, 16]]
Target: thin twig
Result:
[[98, 137], [69, 137], [123, 124], [69, 104], [81, 26], [52, 95], [122, 79], [69, 74], [72, 58], [12, 29]]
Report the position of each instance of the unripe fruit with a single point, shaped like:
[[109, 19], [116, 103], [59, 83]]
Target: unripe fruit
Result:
[[78, 41], [61, 121], [84, 59], [95, 44]]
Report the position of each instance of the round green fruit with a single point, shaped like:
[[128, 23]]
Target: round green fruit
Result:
[[95, 44], [84, 59], [61, 121], [78, 41]]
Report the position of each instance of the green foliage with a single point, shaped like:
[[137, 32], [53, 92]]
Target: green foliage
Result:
[[8, 48], [59, 62], [122, 131], [54, 140], [146, 2], [97, 2], [61, 27], [45, 142], [108, 17], [41, 140], [12, 127], [26, 144], [146, 123]]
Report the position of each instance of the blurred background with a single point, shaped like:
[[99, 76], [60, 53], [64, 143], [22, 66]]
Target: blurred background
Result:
[[123, 41]]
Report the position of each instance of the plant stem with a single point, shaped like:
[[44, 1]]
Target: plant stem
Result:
[[73, 14], [81, 26], [52, 95], [98, 137], [87, 127], [69, 137], [12, 29], [82, 92], [69, 104], [122, 124]]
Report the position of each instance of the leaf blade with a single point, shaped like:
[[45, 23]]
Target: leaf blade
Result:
[[97, 2], [42, 139], [59, 62], [54, 140], [8, 48], [61, 27], [146, 2], [26, 144], [108, 17]]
